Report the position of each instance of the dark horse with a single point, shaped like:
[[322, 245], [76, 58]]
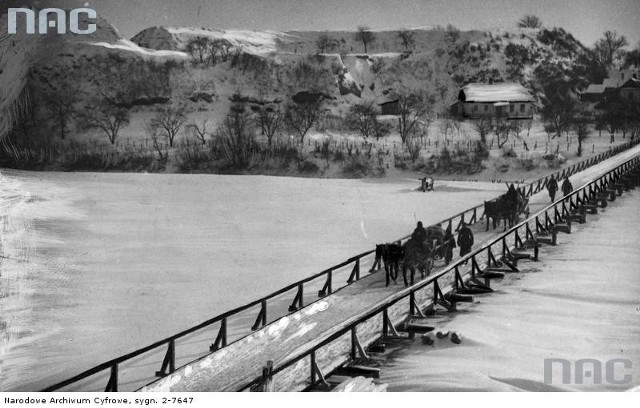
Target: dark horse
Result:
[[391, 256], [507, 207], [417, 255]]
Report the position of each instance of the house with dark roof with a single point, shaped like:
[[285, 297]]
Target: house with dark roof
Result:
[[623, 82], [630, 90], [509, 100]]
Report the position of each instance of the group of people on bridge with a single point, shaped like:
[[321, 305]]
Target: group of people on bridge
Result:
[[445, 238], [552, 187]]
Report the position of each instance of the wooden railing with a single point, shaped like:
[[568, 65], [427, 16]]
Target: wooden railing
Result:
[[331, 285]]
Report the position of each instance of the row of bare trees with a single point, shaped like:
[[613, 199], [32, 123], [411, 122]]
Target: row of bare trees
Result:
[[208, 51]]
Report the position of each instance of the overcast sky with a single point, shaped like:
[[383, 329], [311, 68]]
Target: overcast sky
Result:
[[585, 19]]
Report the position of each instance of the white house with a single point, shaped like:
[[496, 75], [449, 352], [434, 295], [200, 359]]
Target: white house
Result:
[[508, 100]]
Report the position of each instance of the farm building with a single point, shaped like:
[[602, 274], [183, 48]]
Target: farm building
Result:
[[630, 90], [389, 106], [508, 100], [624, 82]]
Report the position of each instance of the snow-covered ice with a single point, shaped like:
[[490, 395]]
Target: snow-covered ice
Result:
[[98, 265]]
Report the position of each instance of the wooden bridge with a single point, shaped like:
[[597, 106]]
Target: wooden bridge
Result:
[[314, 336]]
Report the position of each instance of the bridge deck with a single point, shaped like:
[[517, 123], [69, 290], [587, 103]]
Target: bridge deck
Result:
[[241, 362]]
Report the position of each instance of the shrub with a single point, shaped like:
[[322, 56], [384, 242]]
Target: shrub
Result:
[[509, 152], [357, 166]]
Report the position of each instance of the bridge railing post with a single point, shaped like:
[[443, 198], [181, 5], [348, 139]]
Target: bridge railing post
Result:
[[112, 385]]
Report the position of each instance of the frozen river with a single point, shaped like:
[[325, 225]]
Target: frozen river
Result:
[[97, 265]]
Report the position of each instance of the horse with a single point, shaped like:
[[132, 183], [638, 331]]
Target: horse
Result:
[[391, 256], [417, 255], [507, 207]]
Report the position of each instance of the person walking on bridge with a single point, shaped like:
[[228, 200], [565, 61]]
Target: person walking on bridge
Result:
[[450, 243], [552, 186], [567, 188], [465, 239]]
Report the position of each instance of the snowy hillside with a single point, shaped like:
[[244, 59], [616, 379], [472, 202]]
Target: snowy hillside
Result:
[[262, 43]]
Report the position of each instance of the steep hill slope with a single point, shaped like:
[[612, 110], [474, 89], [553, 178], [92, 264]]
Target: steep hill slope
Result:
[[162, 66]]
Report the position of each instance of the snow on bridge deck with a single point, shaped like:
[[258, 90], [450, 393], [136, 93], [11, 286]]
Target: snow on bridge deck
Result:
[[241, 362]]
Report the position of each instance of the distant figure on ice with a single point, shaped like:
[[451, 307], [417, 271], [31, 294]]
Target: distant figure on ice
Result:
[[419, 234], [450, 241], [552, 186], [427, 184], [567, 188], [465, 239]]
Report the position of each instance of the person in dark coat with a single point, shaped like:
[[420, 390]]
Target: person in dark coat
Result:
[[419, 234], [567, 188], [552, 186], [450, 241], [465, 239]]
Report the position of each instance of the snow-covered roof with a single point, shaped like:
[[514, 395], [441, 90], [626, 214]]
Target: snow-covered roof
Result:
[[611, 83], [387, 100], [595, 89], [507, 92]]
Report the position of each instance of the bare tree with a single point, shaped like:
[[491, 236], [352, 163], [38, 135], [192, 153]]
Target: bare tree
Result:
[[445, 126], [199, 48], [413, 148], [60, 104], [407, 39], [168, 122], [323, 43], [236, 136], [304, 112], [483, 126], [156, 141], [558, 107], [412, 109], [199, 130], [580, 125], [501, 129], [528, 124], [361, 117], [530, 21], [270, 119], [517, 126], [632, 58], [220, 47], [365, 36], [610, 47], [107, 117]]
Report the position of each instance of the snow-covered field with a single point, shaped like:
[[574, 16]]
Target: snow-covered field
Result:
[[97, 265], [581, 301]]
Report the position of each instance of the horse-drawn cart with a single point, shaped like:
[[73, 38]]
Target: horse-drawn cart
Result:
[[426, 184], [507, 207]]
